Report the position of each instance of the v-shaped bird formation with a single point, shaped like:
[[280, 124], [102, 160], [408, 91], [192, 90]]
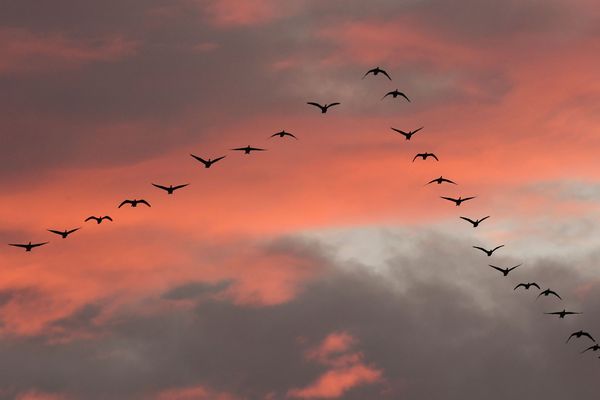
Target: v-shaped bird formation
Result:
[[209, 162]]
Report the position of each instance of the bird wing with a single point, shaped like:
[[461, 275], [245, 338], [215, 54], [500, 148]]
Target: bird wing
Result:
[[144, 202], [536, 285], [385, 73], [496, 268], [511, 268], [290, 134], [255, 149], [72, 230], [589, 348], [160, 186], [519, 285], [495, 248], [332, 104], [371, 71], [468, 219], [554, 313], [180, 186], [217, 159], [39, 244], [403, 95], [417, 130], [240, 149], [570, 312], [588, 335], [315, 104], [469, 198], [92, 217], [387, 94], [19, 245], [572, 334], [480, 248], [57, 232], [448, 180], [107, 217], [554, 293], [203, 161], [399, 131], [125, 202], [449, 198], [434, 156], [417, 156]]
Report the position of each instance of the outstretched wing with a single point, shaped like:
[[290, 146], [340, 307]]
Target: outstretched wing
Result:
[[180, 186], [315, 104], [371, 71], [417, 156], [589, 348], [516, 266], [571, 336], [385, 73], [496, 268], [469, 198], [401, 132], [255, 149], [332, 104], [107, 217], [217, 159], [449, 199], [38, 244], [519, 285], [434, 156], [468, 219], [495, 248], [417, 130], [588, 335], [160, 187], [72, 230], [57, 232], [483, 219], [144, 202], [554, 293], [125, 202], [387, 94], [480, 248], [203, 161], [92, 217], [536, 285], [240, 148], [403, 95], [19, 245]]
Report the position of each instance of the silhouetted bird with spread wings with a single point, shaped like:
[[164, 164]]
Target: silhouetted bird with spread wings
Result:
[[488, 252], [527, 285], [98, 219], [548, 292], [475, 222], [248, 149], [64, 233], [458, 201], [594, 348], [441, 180], [209, 162], [134, 203], [579, 334], [504, 271], [563, 313], [28, 246], [376, 71], [282, 134], [170, 189], [407, 135], [323, 108], [394, 94], [425, 156]]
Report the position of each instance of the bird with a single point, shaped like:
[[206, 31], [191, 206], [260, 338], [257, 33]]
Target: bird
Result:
[[505, 271], [134, 203], [424, 156], [440, 180], [476, 222], [28, 246], [376, 71], [408, 134], [323, 108], [563, 313], [64, 233], [527, 285], [170, 189], [457, 201], [396, 93], [282, 134], [209, 162], [488, 252], [248, 149], [579, 334], [548, 292], [99, 219], [595, 347]]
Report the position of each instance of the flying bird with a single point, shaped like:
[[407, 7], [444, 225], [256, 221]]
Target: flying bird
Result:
[[209, 162], [424, 156], [394, 94], [376, 71], [282, 134], [563, 313], [134, 202], [248, 149], [407, 135], [323, 108], [527, 285], [548, 292], [595, 347], [579, 334], [64, 233], [28, 246], [476, 222], [440, 180], [504, 271], [457, 201], [98, 219], [488, 252], [170, 189]]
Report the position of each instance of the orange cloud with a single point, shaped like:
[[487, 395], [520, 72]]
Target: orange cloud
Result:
[[193, 393]]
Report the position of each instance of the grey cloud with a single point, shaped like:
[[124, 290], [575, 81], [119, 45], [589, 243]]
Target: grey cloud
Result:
[[195, 289]]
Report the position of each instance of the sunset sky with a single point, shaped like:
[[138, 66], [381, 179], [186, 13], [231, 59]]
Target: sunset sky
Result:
[[324, 267]]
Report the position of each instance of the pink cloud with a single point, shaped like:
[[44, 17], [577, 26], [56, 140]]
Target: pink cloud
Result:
[[37, 395], [248, 12], [193, 393]]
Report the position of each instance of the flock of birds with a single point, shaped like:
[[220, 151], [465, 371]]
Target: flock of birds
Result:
[[324, 108]]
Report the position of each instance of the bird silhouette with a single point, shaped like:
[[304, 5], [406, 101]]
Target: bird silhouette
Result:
[[504, 271], [134, 202], [98, 219], [28, 246], [424, 156], [458, 201], [563, 313], [209, 162], [282, 134], [527, 285], [579, 334], [248, 149], [548, 292], [64, 233], [376, 71], [488, 252], [394, 94], [476, 222], [595, 347], [170, 189], [323, 108], [440, 180], [407, 135]]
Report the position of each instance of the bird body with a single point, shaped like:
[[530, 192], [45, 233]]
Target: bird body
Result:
[[248, 149], [28, 246], [134, 203], [425, 156], [170, 189], [323, 108], [488, 252], [475, 222], [527, 285], [394, 94], [458, 201], [504, 271], [98, 219], [209, 162], [407, 135], [64, 233], [375, 71]]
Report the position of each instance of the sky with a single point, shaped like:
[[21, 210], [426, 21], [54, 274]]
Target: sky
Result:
[[324, 267]]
